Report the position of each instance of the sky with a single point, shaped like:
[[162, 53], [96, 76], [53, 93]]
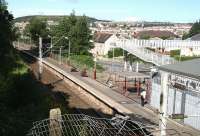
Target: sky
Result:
[[182, 11]]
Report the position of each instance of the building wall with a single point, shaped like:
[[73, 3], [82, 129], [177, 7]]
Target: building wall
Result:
[[98, 49], [179, 101], [109, 43], [103, 48]]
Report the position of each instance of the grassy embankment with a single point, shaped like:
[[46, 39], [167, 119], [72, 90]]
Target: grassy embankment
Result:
[[23, 99]]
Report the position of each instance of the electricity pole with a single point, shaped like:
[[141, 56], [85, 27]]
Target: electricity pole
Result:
[[40, 58]]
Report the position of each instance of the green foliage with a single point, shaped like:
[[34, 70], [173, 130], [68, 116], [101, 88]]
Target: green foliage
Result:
[[165, 37], [184, 58], [151, 49], [50, 17], [174, 53], [131, 58], [22, 99], [83, 61], [78, 32], [146, 37], [193, 31], [117, 52], [36, 28], [185, 36], [6, 35]]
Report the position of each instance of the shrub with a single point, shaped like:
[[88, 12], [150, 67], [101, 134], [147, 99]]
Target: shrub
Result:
[[184, 58], [174, 53], [117, 52], [84, 61]]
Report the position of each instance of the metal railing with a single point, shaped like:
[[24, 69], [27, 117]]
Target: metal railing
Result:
[[145, 54]]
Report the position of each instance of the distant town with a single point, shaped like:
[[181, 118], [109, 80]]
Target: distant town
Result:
[[140, 30]]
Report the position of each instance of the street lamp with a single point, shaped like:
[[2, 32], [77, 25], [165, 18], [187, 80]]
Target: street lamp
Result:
[[95, 62], [113, 45], [69, 47], [95, 66]]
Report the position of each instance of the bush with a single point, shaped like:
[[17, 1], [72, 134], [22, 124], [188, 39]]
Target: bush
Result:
[[184, 58], [84, 61], [151, 49], [117, 52], [174, 53]]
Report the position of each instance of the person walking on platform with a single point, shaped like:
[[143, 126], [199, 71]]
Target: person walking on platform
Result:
[[143, 97]]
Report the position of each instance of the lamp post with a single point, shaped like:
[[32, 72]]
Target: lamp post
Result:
[[95, 67], [69, 47], [113, 45], [95, 62], [40, 58]]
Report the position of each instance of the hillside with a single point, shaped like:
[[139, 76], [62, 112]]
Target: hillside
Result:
[[50, 17]]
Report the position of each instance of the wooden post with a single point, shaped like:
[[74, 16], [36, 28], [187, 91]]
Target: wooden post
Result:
[[55, 128], [125, 88], [135, 82], [138, 87]]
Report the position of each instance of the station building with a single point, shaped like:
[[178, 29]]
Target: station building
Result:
[[180, 84]]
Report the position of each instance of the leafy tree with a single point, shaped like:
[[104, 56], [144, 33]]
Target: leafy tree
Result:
[[6, 35], [193, 31], [6, 38], [36, 28], [77, 31], [82, 43]]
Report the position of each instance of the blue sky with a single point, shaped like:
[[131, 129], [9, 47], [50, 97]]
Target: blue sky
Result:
[[118, 10]]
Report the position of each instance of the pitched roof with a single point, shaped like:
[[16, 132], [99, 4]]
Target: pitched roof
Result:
[[101, 37], [153, 33], [189, 68], [195, 37]]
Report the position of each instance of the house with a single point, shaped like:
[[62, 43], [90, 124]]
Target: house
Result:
[[181, 85], [103, 43]]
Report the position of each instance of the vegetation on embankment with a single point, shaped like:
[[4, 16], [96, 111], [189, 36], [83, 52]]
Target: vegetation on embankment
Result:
[[24, 100], [84, 61]]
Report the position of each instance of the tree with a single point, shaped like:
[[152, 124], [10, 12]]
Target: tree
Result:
[[36, 28], [6, 35], [193, 31], [82, 43], [77, 31]]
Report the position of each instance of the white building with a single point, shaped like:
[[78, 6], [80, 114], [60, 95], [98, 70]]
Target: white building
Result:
[[103, 42], [180, 85]]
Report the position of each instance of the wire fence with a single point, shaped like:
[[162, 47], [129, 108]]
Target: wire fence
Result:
[[83, 125]]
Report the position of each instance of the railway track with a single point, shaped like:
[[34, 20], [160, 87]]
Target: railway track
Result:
[[81, 107]]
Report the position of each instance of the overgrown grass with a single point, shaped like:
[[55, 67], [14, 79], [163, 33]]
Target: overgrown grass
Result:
[[23, 100]]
